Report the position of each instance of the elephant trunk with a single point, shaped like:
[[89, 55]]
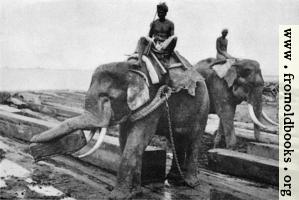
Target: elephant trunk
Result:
[[255, 109], [84, 121]]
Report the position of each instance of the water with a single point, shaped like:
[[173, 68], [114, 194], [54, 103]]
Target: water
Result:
[[41, 79], [12, 79]]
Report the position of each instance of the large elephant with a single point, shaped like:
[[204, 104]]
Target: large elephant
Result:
[[117, 93], [242, 81]]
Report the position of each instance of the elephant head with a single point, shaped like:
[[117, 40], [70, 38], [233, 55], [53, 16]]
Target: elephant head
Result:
[[246, 82], [113, 94]]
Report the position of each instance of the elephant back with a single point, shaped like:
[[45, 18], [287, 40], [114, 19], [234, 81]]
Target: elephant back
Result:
[[204, 67]]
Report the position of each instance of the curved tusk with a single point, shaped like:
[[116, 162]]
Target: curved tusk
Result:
[[98, 143], [253, 117], [268, 119]]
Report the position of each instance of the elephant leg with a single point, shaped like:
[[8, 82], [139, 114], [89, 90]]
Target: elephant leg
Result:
[[227, 122], [129, 172], [229, 134], [195, 146], [123, 134], [219, 141], [195, 150], [180, 148]]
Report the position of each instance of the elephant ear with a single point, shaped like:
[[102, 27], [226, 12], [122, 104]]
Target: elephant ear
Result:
[[230, 76], [138, 92]]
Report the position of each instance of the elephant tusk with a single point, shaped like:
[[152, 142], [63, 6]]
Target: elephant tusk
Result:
[[268, 119], [254, 118], [98, 143]]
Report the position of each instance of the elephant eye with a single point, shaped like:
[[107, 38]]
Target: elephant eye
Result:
[[245, 72]]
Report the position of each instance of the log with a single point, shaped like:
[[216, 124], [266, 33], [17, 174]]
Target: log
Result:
[[65, 145], [220, 195], [240, 188], [108, 157], [46, 103], [8, 109], [263, 150], [264, 137], [244, 165], [61, 97], [24, 128]]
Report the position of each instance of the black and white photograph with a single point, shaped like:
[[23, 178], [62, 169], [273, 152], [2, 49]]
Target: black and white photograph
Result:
[[149, 99]]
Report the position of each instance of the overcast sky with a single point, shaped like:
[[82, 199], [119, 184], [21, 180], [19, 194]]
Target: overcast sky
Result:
[[86, 33]]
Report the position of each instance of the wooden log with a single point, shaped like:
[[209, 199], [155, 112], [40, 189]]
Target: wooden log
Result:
[[66, 98], [108, 157], [264, 137], [46, 103], [221, 195], [241, 188], [24, 128], [250, 126], [8, 109], [263, 150], [65, 145], [244, 165]]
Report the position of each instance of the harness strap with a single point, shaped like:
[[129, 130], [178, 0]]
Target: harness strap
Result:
[[164, 92]]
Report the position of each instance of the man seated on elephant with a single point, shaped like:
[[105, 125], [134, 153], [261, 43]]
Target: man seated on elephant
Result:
[[221, 46], [161, 35]]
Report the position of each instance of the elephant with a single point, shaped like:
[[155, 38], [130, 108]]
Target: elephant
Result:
[[243, 81], [117, 93]]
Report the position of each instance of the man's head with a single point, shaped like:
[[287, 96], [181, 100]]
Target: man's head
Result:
[[224, 32], [162, 10]]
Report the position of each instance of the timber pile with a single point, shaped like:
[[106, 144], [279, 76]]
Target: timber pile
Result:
[[270, 91], [28, 113], [259, 162]]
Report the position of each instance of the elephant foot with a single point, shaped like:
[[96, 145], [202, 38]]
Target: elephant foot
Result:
[[220, 144], [188, 180], [192, 180], [118, 194], [175, 179], [219, 141], [231, 144]]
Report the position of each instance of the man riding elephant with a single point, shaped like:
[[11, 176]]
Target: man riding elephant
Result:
[[161, 35], [221, 46]]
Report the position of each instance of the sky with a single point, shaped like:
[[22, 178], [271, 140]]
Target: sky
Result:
[[82, 34]]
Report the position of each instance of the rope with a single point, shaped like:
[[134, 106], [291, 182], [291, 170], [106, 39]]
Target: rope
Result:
[[160, 97]]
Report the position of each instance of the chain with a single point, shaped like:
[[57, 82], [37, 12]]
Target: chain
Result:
[[172, 143]]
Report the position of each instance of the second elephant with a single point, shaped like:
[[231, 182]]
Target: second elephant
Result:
[[243, 81]]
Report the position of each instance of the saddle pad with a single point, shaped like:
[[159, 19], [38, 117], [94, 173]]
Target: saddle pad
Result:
[[221, 69], [184, 79]]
